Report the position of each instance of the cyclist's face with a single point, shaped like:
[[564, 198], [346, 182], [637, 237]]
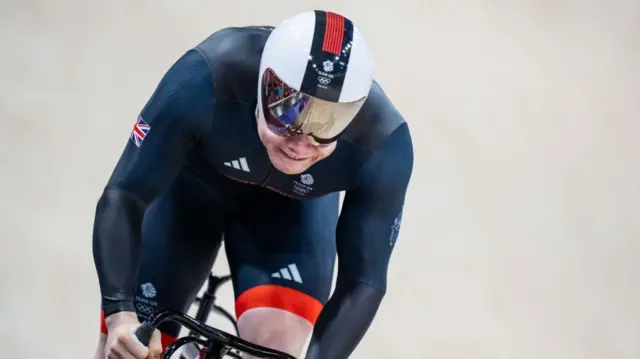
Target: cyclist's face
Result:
[[291, 155]]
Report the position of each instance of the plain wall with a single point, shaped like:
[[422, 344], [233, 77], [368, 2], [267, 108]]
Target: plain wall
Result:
[[520, 236]]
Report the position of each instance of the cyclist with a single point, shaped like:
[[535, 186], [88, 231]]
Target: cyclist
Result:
[[252, 134]]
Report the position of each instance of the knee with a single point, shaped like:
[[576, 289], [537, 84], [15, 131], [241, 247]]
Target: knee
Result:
[[276, 329]]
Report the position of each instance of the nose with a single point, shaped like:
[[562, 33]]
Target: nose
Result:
[[299, 144]]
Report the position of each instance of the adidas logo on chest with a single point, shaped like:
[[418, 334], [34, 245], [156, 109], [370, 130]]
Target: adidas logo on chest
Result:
[[239, 164]]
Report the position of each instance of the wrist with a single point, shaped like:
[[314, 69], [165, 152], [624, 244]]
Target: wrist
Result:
[[112, 306], [115, 319]]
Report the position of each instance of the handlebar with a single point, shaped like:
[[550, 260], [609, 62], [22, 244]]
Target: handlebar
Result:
[[217, 340]]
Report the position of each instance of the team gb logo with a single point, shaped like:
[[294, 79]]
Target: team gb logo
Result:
[[307, 179], [328, 66]]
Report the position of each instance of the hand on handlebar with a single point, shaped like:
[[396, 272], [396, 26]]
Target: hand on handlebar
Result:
[[122, 342], [216, 341]]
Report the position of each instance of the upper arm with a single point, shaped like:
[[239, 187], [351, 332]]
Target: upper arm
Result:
[[178, 112], [371, 212]]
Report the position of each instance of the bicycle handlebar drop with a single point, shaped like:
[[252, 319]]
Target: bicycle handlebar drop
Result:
[[217, 340]]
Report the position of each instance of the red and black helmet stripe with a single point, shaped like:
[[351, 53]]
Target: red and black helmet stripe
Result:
[[333, 33], [328, 57]]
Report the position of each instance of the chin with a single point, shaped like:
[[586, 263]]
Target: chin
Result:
[[290, 167]]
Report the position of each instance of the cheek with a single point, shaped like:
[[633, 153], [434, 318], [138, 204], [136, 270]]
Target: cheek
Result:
[[268, 138], [326, 151]]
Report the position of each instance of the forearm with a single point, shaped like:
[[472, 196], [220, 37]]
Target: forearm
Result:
[[344, 321], [116, 248]]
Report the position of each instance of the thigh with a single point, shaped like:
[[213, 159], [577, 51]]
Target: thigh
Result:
[[181, 236], [281, 253]]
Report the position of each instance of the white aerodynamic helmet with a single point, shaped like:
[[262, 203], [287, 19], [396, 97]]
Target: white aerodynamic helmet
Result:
[[315, 73]]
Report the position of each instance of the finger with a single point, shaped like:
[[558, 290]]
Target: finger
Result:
[[135, 351], [132, 346], [120, 351], [113, 350], [155, 345], [116, 353]]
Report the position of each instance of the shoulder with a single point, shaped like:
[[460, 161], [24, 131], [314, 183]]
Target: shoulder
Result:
[[376, 122], [390, 165], [184, 93], [233, 56], [379, 129], [382, 133]]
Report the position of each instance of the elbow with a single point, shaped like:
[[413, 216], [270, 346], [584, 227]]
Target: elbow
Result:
[[117, 198], [370, 290], [117, 213]]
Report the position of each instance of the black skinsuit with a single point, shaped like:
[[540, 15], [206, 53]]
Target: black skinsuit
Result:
[[195, 169]]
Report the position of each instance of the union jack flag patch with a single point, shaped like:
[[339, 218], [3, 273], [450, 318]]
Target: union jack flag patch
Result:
[[139, 132]]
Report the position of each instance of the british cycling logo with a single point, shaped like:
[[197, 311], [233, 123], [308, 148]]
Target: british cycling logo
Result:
[[395, 229]]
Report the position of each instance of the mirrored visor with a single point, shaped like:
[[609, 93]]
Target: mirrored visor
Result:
[[289, 112]]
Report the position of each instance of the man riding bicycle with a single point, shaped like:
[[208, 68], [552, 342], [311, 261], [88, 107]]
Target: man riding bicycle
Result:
[[251, 135]]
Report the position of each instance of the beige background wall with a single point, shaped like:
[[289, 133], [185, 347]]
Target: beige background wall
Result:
[[521, 237]]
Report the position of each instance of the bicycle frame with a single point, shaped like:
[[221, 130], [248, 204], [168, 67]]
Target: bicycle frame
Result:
[[217, 342], [206, 305]]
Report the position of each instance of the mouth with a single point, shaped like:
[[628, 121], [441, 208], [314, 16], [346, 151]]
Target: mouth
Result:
[[292, 157]]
